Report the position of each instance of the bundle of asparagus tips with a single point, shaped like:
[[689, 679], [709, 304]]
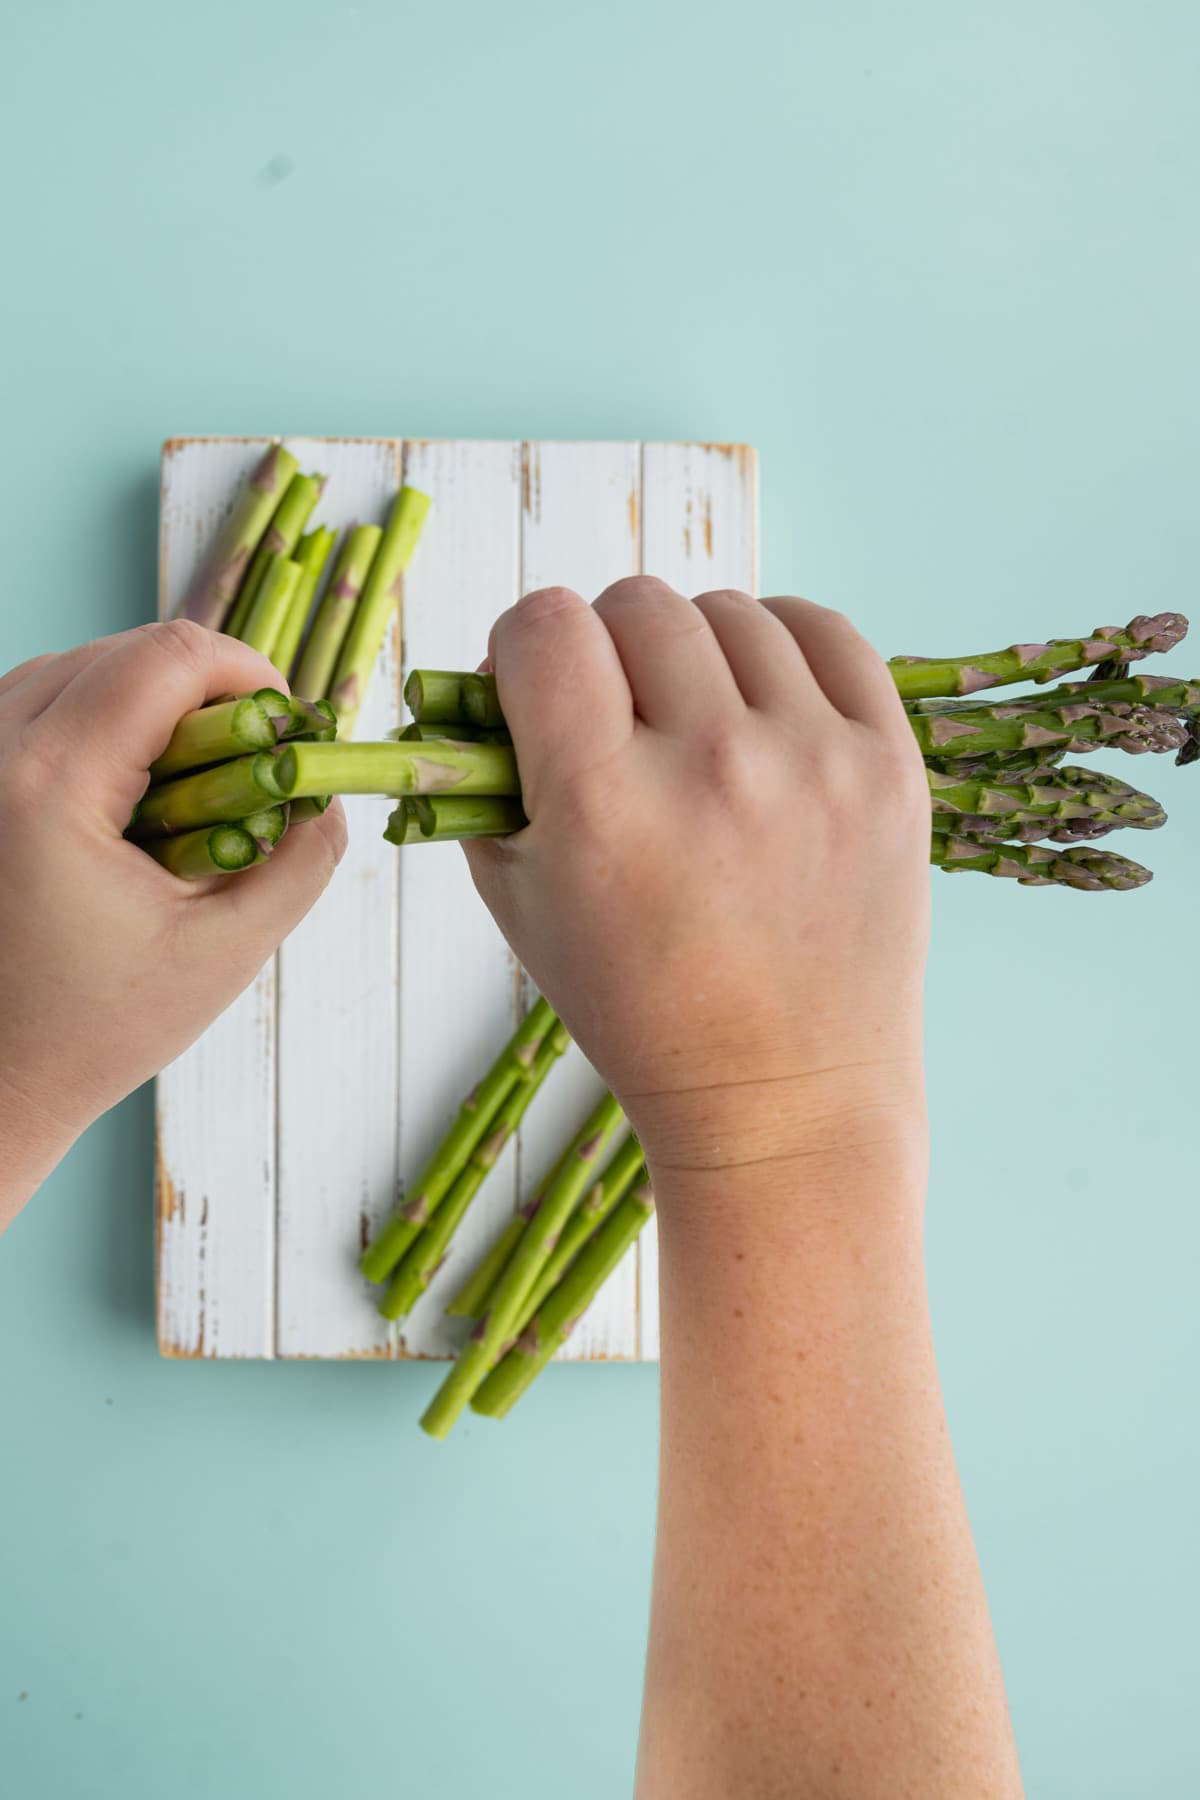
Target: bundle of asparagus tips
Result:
[[221, 771]]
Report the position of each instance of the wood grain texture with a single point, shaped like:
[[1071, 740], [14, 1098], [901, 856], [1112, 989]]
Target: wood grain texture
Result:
[[336, 1056], [290, 1127]]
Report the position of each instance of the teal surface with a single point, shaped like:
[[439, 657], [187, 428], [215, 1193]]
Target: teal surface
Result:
[[940, 263]]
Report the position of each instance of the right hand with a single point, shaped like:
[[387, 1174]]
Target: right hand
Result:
[[723, 887]]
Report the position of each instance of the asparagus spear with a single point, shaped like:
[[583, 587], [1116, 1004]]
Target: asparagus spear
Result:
[[216, 850], [424, 1257], [282, 536], [1036, 865], [513, 1065], [919, 676], [562, 1309], [435, 696], [555, 1205], [312, 553], [437, 818], [211, 597], [369, 624], [266, 827], [280, 580], [626, 1170], [216, 796], [1101, 801], [215, 733], [472, 1297], [325, 640], [1076, 726]]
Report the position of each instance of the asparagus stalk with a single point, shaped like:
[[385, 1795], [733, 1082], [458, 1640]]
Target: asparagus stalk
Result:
[[920, 676], [435, 696], [213, 594], [315, 674], [312, 553], [269, 611], [475, 1115], [472, 1297], [626, 1170], [216, 796], [1076, 726], [437, 818], [562, 1309], [1036, 865], [1102, 803], [424, 1257], [555, 1204], [266, 827], [216, 850], [369, 624], [214, 734], [281, 538]]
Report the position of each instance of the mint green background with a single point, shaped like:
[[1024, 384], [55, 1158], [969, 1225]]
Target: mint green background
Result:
[[940, 263]]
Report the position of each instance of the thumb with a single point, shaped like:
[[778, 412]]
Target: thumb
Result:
[[252, 913]]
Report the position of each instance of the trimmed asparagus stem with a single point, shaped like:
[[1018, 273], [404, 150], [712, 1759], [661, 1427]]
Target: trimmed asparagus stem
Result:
[[562, 1309], [213, 796], [481, 702], [311, 807], [270, 608], [918, 677], [434, 696], [472, 1297], [267, 826], [424, 1257], [312, 553], [216, 850], [380, 598], [624, 1171], [1036, 865], [282, 536], [398, 769], [475, 1115], [436, 818], [315, 673], [209, 601], [213, 734], [555, 1204]]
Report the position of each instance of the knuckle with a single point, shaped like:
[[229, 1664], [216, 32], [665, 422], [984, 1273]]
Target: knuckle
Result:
[[545, 603], [730, 769], [725, 597], [636, 590], [183, 640]]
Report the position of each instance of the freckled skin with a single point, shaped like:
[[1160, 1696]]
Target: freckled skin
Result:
[[722, 892]]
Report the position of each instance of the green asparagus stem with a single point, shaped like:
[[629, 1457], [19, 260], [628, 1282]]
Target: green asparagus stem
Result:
[[472, 1297], [398, 769], [311, 807], [216, 850], [381, 595], [312, 553], [562, 1309], [216, 796], [626, 1170], [475, 1115], [424, 1257], [1077, 726], [481, 702], [554, 1207], [210, 599], [315, 673], [436, 818], [917, 677], [280, 580], [434, 696], [266, 827], [1036, 865], [282, 536], [213, 734]]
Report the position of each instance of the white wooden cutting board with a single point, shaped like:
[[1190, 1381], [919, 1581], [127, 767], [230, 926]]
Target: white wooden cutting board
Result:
[[287, 1132]]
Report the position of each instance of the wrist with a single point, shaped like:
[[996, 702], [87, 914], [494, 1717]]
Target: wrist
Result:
[[33, 1141]]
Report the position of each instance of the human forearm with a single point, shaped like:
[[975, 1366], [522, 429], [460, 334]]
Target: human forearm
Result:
[[819, 1625]]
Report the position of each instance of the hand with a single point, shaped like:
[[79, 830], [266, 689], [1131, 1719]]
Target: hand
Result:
[[110, 966], [723, 887]]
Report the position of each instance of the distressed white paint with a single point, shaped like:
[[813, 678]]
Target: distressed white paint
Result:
[[458, 991], [369, 1072], [336, 1052], [216, 1102], [699, 531], [580, 528]]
